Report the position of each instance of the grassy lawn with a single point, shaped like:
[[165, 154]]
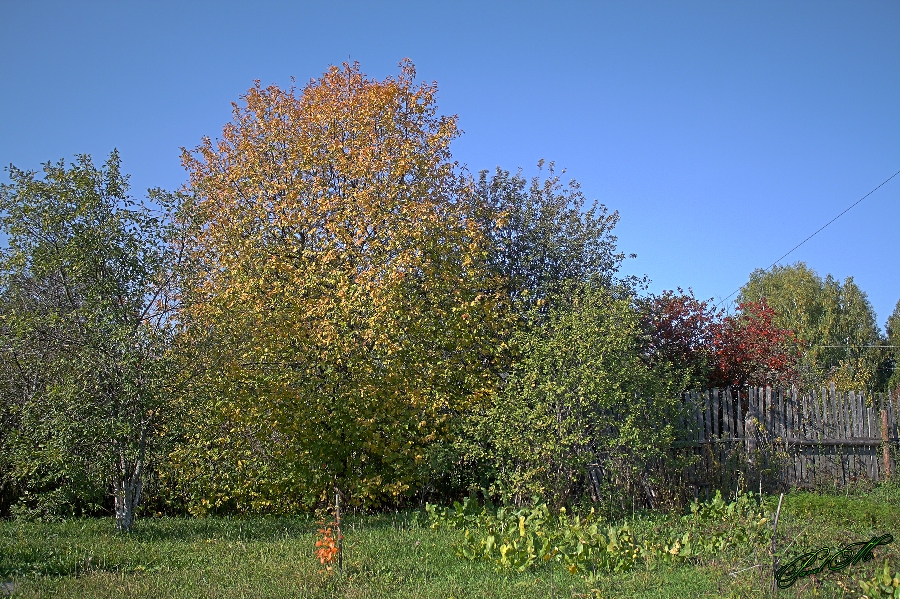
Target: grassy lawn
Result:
[[400, 556]]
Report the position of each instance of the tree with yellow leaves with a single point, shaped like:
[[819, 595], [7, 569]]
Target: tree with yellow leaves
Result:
[[340, 286]]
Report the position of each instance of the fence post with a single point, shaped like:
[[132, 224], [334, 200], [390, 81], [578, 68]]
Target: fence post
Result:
[[885, 442]]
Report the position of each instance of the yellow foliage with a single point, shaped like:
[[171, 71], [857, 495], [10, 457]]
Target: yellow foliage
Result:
[[339, 276]]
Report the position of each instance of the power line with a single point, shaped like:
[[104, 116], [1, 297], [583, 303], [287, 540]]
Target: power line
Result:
[[845, 346], [817, 232]]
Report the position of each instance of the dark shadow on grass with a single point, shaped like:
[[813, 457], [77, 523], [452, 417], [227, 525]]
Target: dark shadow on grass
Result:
[[222, 528]]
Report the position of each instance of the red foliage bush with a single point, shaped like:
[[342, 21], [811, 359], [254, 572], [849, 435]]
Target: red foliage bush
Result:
[[750, 350], [718, 350]]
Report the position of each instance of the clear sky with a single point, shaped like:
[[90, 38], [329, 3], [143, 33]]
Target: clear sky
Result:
[[724, 133]]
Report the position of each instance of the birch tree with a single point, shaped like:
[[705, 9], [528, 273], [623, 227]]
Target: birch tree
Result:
[[835, 320], [85, 329]]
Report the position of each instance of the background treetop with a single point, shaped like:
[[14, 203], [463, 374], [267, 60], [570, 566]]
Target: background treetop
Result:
[[835, 321], [542, 235]]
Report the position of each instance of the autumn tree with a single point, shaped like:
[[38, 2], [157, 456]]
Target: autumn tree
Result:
[[678, 330], [715, 349], [84, 331], [339, 287]]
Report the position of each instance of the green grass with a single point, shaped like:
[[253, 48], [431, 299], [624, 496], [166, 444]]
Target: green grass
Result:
[[396, 556]]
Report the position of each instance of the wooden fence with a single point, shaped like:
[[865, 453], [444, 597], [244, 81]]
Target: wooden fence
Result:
[[788, 438]]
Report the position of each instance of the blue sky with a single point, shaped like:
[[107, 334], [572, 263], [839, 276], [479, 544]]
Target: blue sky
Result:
[[724, 133]]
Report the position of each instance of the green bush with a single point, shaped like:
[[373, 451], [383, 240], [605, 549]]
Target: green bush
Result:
[[579, 393]]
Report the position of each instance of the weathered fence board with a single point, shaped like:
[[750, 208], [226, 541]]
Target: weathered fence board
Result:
[[796, 438]]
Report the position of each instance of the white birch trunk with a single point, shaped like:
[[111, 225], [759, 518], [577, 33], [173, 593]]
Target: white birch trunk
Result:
[[128, 486]]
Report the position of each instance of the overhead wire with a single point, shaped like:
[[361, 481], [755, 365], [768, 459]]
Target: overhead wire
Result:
[[816, 233]]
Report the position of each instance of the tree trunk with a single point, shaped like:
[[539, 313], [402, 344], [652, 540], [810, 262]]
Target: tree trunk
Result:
[[340, 536], [128, 485], [128, 495]]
